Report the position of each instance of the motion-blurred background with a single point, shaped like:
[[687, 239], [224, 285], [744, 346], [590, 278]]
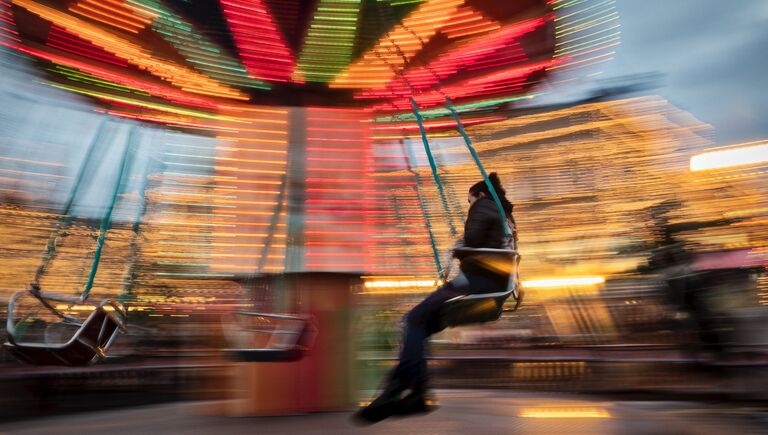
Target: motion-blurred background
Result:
[[272, 163]]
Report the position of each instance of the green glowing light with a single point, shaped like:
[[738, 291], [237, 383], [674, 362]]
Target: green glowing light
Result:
[[330, 40]]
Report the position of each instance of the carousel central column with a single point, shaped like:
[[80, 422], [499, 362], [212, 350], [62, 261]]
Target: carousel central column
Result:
[[297, 169]]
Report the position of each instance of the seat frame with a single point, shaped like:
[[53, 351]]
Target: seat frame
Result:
[[88, 344], [301, 340], [453, 309]]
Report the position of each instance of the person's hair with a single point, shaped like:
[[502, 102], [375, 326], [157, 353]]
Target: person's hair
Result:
[[481, 187]]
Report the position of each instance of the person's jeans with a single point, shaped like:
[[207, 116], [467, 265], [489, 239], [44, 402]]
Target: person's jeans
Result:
[[423, 321]]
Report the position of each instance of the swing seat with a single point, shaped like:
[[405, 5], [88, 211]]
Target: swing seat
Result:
[[484, 307], [95, 334], [288, 338], [88, 344]]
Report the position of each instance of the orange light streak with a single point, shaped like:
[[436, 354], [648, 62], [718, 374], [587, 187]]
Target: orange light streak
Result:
[[114, 13], [181, 77], [375, 67], [467, 21]]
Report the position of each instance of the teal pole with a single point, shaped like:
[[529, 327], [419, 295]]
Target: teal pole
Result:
[[107, 219], [432, 164], [50, 248], [472, 151]]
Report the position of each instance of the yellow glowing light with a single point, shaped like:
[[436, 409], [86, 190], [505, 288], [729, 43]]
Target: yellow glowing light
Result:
[[565, 413], [394, 49], [114, 13], [743, 155], [467, 21], [259, 140], [241, 109], [401, 284], [64, 307], [564, 282]]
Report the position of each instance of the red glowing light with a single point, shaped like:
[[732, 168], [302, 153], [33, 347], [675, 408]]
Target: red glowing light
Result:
[[262, 48]]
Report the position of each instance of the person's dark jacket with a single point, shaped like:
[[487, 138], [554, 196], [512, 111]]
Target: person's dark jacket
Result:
[[483, 229]]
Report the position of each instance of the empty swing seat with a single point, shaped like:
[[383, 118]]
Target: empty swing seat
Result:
[[88, 344], [288, 338], [485, 307]]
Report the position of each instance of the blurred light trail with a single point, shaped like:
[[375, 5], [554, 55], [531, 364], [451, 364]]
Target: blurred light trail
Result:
[[180, 76], [565, 413], [743, 155], [563, 282], [397, 284]]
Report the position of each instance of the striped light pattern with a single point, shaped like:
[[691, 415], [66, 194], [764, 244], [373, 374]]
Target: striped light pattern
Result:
[[575, 204], [41, 168], [329, 42], [167, 92], [401, 230], [339, 190], [731, 182], [563, 282], [9, 36], [115, 13], [66, 41], [177, 275], [250, 200], [261, 45], [180, 76], [474, 59], [587, 33], [493, 53], [429, 283], [467, 21], [380, 64], [202, 53], [510, 80], [182, 214]]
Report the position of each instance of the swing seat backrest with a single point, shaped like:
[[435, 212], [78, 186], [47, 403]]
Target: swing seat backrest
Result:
[[290, 342]]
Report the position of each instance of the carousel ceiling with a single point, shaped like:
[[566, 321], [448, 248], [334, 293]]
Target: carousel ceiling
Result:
[[359, 53]]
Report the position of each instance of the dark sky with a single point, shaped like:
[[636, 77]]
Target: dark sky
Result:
[[712, 54]]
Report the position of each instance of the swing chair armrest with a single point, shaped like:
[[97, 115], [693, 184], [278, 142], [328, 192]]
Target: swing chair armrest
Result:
[[273, 316], [114, 304], [475, 296], [57, 297], [43, 297], [118, 314], [10, 326]]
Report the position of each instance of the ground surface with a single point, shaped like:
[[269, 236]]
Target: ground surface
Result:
[[472, 412]]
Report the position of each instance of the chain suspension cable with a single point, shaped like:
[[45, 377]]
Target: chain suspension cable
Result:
[[441, 272], [422, 130], [126, 163], [468, 143], [50, 249], [408, 158], [459, 126], [273, 224], [152, 165], [433, 166]]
